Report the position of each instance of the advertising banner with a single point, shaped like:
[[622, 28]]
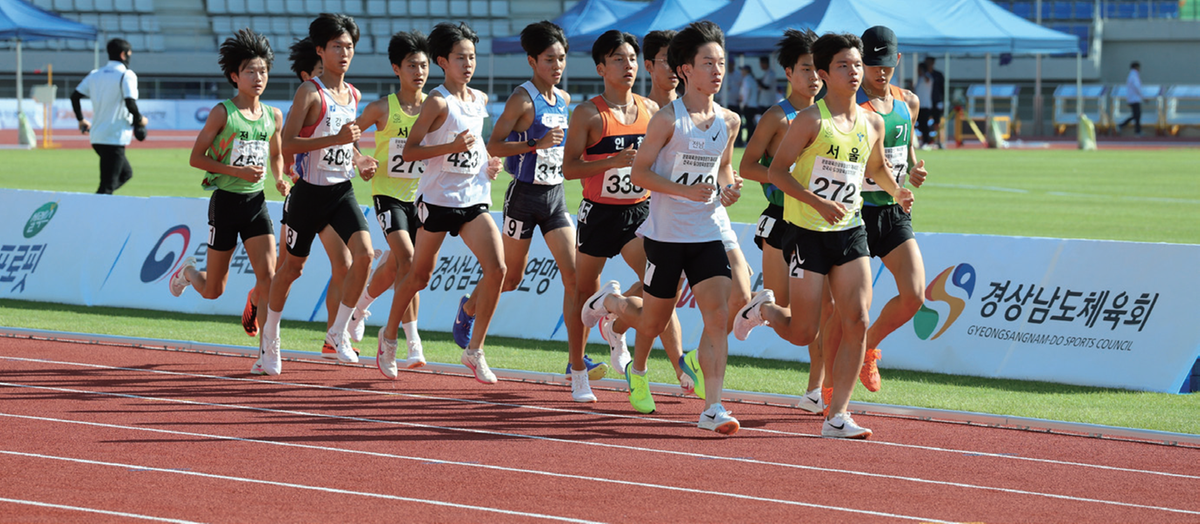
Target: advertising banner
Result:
[[1098, 313]]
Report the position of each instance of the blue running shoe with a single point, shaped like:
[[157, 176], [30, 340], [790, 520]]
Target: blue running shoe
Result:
[[596, 370], [691, 365], [462, 324]]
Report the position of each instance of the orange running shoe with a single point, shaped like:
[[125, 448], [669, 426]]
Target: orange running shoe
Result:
[[250, 316], [869, 375], [827, 398]]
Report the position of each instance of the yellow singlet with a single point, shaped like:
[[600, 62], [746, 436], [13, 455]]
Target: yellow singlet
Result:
[[395, 177], [832, 167]]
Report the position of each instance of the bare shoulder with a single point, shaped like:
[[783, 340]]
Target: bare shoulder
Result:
[[911, 99], [732, 119], [651, 106], [565, 95]]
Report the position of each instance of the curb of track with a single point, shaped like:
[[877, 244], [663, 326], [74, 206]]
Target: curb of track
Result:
[[792, 401]]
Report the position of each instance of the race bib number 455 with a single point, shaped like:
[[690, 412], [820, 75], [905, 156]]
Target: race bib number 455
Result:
[[248, 153], [837, 180]]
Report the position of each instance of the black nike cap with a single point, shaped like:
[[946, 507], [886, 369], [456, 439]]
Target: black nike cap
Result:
[[879, 47]]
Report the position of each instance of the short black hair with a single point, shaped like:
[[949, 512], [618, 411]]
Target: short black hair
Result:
[[328, 26], [243, 46], [406, 43], [794, 45], [685, 44], [608, 43], [655, 41], [831, 44], [446, 34], [303, 55], [1135, 65], [117, 46], [537, 37]]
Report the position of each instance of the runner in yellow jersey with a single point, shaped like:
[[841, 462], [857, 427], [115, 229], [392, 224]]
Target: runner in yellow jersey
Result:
[[393, 191], [834, 144]]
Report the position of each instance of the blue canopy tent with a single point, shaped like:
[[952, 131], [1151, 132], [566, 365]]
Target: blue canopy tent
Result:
[[659, 14], [584, 17], [21, 21], [745, 15]]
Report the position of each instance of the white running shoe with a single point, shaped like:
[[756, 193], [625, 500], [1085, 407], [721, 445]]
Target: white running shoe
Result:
[[416, 355], [179, 281], [385, 357], [686, 384], [257, 368], [593, 309], [618, 349], [812, 402], [717, 418], [345, 353], [272, 361], [842, 426], [478, 365], [358, 324], [581, 390], [750, 316]]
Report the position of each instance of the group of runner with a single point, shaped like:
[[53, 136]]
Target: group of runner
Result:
[[657, 175]]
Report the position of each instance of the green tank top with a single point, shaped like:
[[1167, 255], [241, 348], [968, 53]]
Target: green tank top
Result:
[[396, 178], [897, 135], [833, 167], [774, 194], [241, 142]]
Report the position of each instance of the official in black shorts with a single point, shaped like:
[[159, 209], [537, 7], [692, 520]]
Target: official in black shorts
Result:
[[604, 229], [396, 215], [770, 227], [887, 228], [234, 214], [323, 206], [528, 205], [819, 251], [667, 261], [440, 219]]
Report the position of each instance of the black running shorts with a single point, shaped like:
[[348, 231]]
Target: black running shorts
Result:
[[887, 228], [309, 208], [819, 251], [439, 219], [604, 229], [667, 261], [527, 205], [396, 215], [234, 214]]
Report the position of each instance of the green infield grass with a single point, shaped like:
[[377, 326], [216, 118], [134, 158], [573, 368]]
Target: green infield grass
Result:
[[1131, 195]]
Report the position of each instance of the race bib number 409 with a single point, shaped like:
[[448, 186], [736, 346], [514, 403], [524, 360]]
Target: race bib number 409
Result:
[[837, 180]]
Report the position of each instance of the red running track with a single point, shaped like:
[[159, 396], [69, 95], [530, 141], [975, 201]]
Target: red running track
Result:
[[114, 434]]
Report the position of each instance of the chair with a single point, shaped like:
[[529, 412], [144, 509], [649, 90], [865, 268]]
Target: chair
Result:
[[1152, 106], [331, 6], [418, 8], [439, 9], [500, 28], [149, 23], [1065, 111], [64, 5], [236, 7], [256, 7], [293, 7], [401, 24], [85, 5], [222, 25], [216, 7], [1084, 10], [110, 23], [1166, 9], [136, 41], [129, 23], [298, 26], [104, 6], [459, 9], [353, 7], [312, 7], [479, 9], [279, 25], [377, 7], [366, 45], [240, 22], [44, 4], [144, 6], [397, 7], [260, 24], [1060, 10], [499, 8], [123, 6]]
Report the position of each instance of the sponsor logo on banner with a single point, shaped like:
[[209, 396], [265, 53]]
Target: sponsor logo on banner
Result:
[[927, 319], [159, 266], [202, 114], [40, 218]]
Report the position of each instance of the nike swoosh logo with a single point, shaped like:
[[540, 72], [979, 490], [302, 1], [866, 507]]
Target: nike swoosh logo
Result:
[[592, 304], [710, 417], [837, 427], [745, 313], [877, 49], [716, 135]]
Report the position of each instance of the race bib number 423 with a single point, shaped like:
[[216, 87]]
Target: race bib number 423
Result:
[[466, 162], [691, 169], [837, 180], [397, 167]]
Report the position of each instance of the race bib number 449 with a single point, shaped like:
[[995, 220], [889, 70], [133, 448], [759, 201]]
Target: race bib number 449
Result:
[[837, 180], [397, 167], [691, 169]]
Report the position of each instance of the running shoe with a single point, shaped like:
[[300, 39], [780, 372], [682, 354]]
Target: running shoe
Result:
[[595, 370], [330, 351], [581, 390], [475, 361], [272, 361], [462, 324], [257, 368], [358, 324], [812, 402], [869, 374], [717, 418], [250, 316], [618, 349], [639, 392], [179, 281], [842, 426], [340, 349], [593, 309], [691, 366], [385, 357], [686, 384], [750, 316], [416, 355]]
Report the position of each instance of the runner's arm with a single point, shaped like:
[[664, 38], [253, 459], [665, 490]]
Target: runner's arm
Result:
[[658, 134], [800, 135], [750, 168], [516, 110], [277, 169], [432, 117], [728, 181], [305, 106], [879, 170], [200, 159], [917, 173]]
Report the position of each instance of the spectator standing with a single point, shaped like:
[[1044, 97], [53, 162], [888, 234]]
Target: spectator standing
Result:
[[938, 98], [924, 91], [1133, 97], [768, 94], [747, 102], [114, 92]]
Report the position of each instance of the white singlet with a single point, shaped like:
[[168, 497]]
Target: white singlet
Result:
[[458, 180], [692, 156], [334, 164]]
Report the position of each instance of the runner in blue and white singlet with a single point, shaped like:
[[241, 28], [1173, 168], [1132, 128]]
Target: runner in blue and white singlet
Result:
[[333, 164], [541, 166]]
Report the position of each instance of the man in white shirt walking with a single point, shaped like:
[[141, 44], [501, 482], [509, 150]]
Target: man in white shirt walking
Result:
[[114, 92], [1133, 96]]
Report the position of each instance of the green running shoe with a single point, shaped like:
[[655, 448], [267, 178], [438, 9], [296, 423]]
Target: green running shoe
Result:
[[639, 391], [691, 366]]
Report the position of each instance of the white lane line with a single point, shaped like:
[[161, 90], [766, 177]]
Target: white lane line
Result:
[[295, 486], [606, 445], [481, 466], [94, 510], [622, 416]]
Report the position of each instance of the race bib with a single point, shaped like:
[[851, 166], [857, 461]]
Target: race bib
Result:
[[466, 162], [249, 153], [691, 169], [837, 180], [898, 157], [337, 157], [396, 166], [548, 169], [618, 184], [553, 120]]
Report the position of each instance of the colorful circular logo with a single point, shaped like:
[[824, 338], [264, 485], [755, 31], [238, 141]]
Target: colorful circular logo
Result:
[[157, 266], [928, 320]]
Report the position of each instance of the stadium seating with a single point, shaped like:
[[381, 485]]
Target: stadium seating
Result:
[[1065, 110], [1182, 107], [1152, 106]]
